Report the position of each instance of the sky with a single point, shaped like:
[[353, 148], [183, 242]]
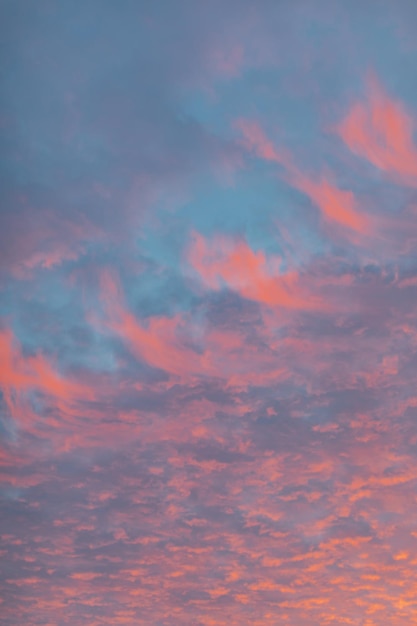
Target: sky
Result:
[[208, 319]]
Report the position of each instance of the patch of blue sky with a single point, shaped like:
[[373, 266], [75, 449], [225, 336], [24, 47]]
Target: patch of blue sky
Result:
[[256, 95], [260, 208]]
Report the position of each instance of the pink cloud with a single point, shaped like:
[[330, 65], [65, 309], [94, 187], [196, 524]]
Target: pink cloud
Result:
[[20, 374], [156, 342], [256, 140], [381, 131], [337, 207], [44, 242], [250, 273], [162, 343]]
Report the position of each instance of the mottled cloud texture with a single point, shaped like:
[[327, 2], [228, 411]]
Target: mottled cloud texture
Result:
[[208, 327]]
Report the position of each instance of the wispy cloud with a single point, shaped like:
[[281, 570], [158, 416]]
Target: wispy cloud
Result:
[[381, 130]]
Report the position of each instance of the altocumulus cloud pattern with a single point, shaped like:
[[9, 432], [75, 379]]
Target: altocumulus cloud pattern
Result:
[[208, 330]]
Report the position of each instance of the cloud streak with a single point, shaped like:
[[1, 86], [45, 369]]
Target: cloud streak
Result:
[[381, 131], [336, 206]]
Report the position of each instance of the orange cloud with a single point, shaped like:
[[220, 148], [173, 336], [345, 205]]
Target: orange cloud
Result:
[[249, 273], [19, 374], [158, 343], [336, 206], [381, 131]]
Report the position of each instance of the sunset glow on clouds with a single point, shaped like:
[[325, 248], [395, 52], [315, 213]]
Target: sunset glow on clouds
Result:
[[381, 131], [208, 326]]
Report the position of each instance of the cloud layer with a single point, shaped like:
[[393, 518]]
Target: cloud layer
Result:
[[208, 334]]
